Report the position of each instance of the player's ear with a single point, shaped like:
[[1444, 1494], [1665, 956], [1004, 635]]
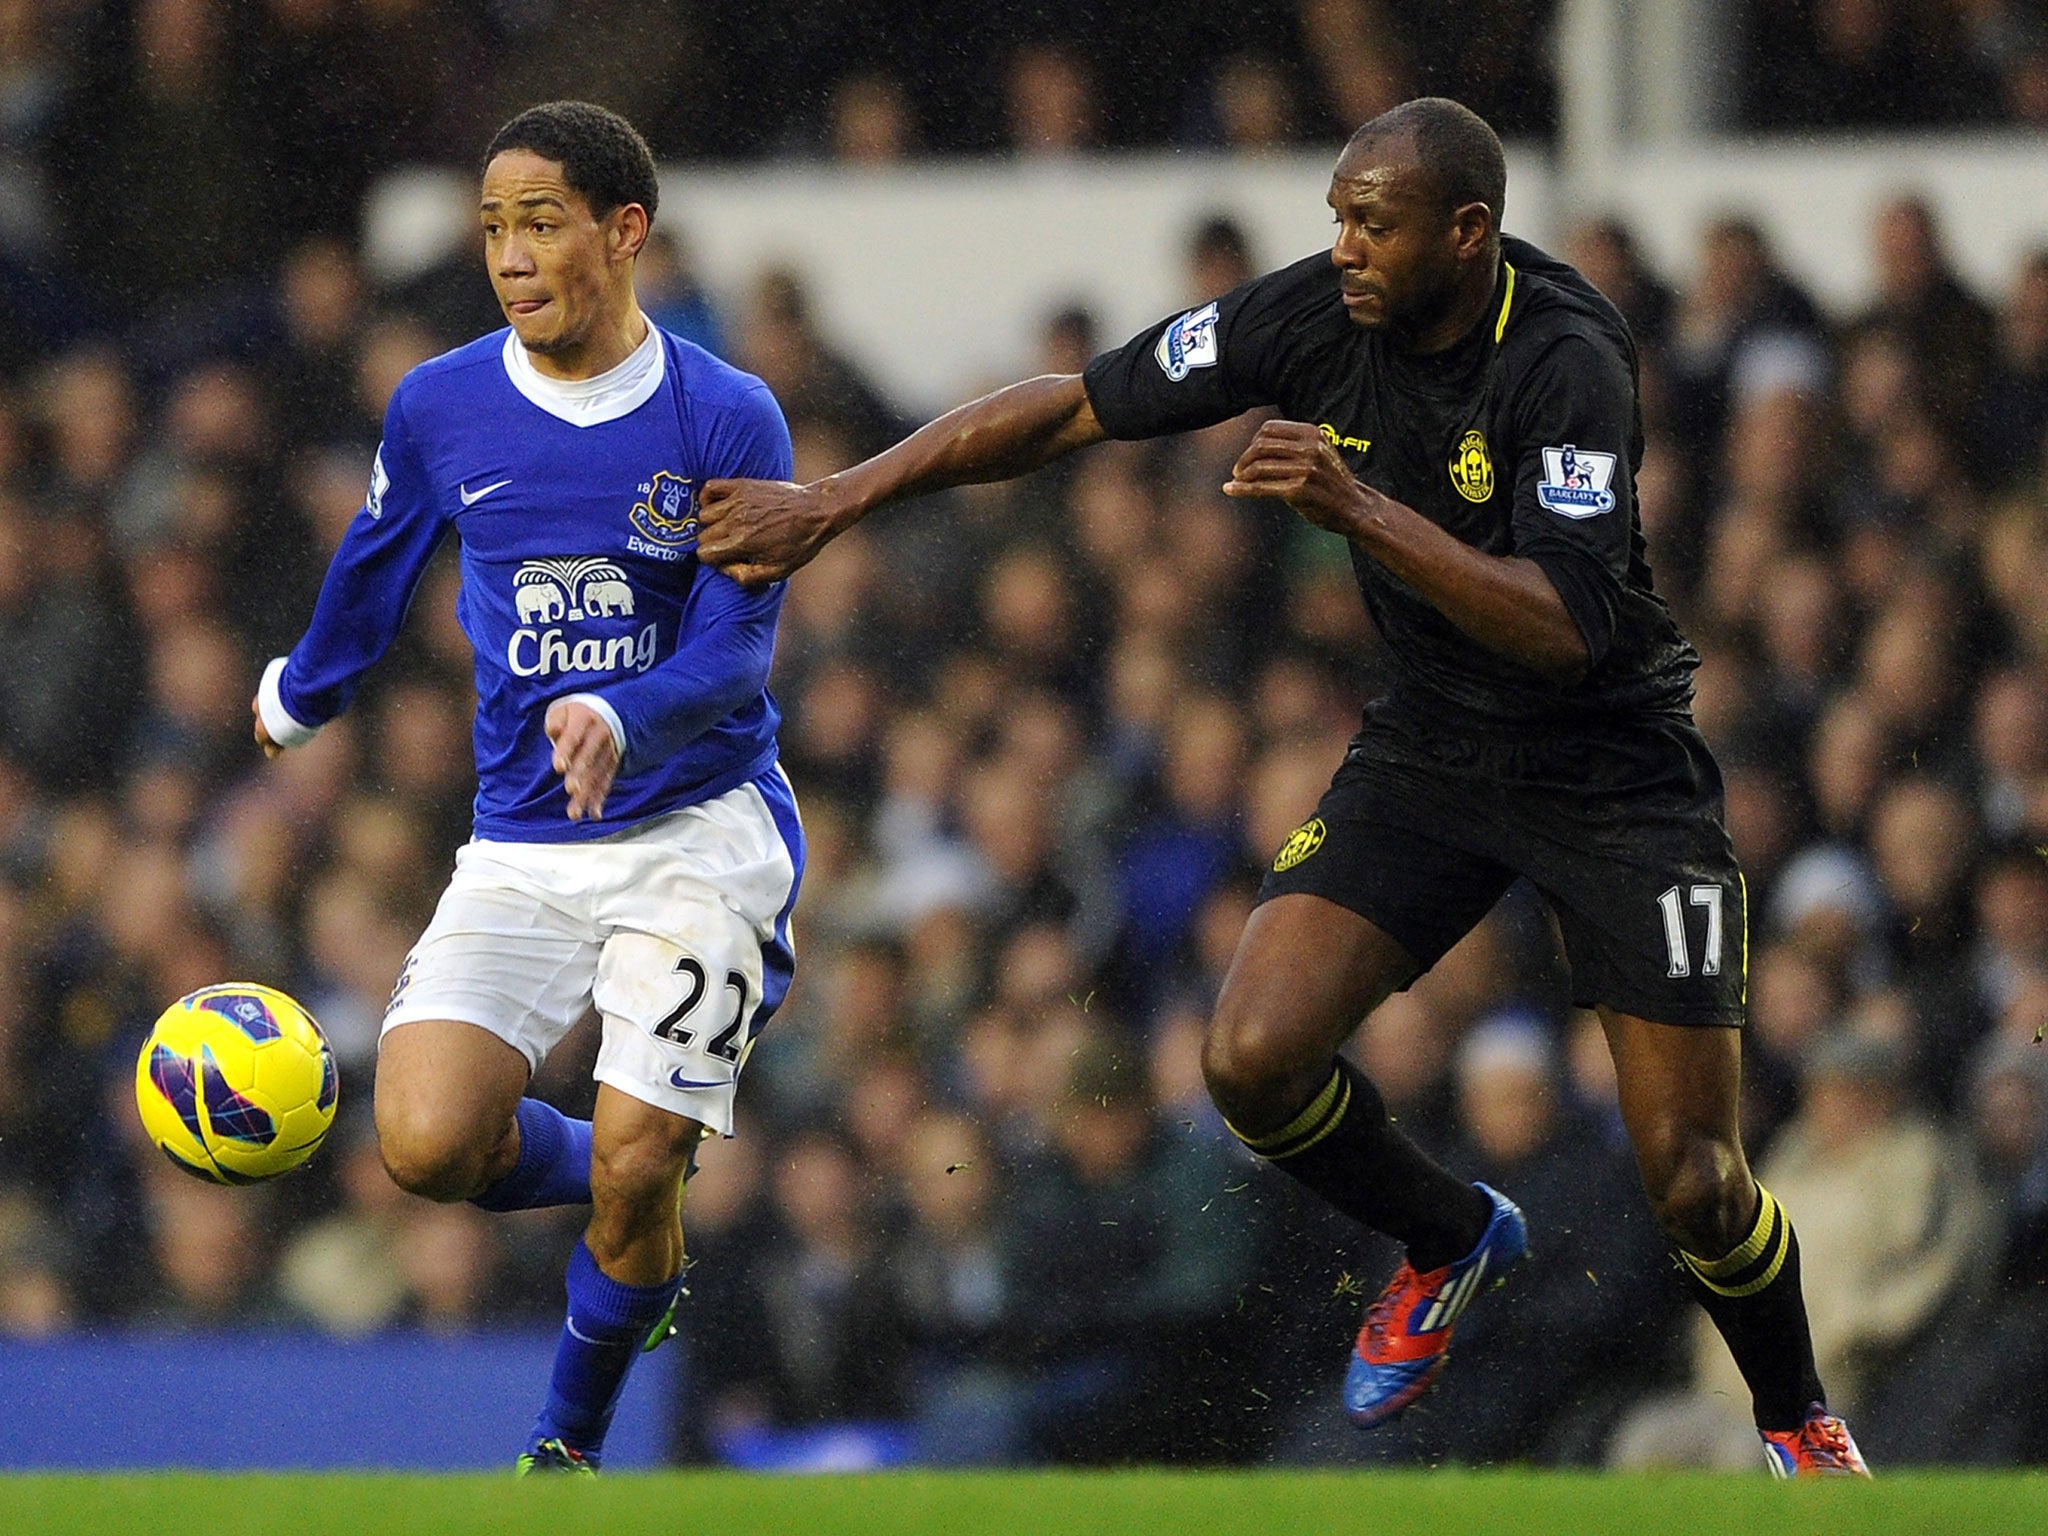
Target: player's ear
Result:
[[1471, 223], [628, 230]]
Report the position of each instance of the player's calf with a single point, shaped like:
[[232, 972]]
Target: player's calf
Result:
[[606, 1323], [553, 1165], [638, 1160]]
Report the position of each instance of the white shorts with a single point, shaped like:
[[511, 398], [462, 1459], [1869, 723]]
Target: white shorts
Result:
[[677, 929]]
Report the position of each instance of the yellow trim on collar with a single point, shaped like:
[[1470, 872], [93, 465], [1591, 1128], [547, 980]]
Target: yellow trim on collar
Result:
[[1500, 326]]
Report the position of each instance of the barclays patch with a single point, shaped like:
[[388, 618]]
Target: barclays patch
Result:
[[1577, 483], [1189, 343], [380, 482]]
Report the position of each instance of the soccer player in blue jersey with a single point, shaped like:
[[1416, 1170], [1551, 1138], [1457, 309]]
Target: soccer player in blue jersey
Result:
[[636, 845]]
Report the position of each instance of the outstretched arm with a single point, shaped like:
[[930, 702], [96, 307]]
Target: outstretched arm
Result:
[[363, 598], [762, 530]]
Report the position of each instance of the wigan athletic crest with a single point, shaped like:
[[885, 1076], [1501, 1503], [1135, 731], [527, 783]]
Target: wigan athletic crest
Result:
[[1472, 468], [1301, 842]]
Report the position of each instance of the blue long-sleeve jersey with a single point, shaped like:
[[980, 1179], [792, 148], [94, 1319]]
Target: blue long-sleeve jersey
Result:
[[579, 576]]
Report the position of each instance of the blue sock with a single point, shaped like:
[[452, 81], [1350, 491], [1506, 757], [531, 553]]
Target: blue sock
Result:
[[553, 1166], [601, 1337]]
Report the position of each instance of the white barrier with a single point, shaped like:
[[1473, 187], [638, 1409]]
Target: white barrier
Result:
[[936, 278]]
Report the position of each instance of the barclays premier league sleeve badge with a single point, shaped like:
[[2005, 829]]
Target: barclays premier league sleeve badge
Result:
[[1189, 343], [1577, 483], [380, 482]]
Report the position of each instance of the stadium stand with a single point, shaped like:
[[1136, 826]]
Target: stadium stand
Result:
[[979, 1194]]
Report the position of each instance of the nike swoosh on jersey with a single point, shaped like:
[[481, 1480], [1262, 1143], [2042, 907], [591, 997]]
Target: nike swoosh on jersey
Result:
[[677, 1080], [471, 498]]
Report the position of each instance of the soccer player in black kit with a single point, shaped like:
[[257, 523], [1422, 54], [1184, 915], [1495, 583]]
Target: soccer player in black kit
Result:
[[1462, 408]]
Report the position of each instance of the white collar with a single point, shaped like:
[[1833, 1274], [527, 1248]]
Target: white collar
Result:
[[616, 392]]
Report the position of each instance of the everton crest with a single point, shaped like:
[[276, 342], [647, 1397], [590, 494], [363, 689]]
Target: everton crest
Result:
[[666, 513]]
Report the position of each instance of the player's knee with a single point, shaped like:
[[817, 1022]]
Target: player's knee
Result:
[[1698, 1193], [1253, 1070], [432, 1158], [639, 1172]]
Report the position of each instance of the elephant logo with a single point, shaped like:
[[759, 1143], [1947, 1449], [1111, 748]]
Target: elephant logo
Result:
[[538, 599], [573, 589], [549, 594], [603, 597]]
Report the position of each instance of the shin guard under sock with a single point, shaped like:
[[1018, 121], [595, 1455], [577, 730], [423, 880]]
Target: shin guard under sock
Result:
[[1753, 1296], [553, 1166], [1343, 1146], [602, 1334]]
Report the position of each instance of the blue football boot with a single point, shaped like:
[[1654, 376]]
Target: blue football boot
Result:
[[1407, 1332]]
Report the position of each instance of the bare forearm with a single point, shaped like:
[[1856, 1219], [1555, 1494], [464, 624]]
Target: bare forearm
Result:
[[1505, 603], [759, 531], [998, 437]]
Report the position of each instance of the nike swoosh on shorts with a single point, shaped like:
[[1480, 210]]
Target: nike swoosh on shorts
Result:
[[677, 1080]]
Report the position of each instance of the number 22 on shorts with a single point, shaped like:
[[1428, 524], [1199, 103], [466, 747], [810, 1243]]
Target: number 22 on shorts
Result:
[[729, 1043]]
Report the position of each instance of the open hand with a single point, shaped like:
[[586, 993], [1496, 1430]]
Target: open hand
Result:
[[585, 756], [759, 531], [1291, 460]]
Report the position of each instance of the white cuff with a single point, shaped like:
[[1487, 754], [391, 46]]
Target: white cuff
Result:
[[598, 706], [277, 720]]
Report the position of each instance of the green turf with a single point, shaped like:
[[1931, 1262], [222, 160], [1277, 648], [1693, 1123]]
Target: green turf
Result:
[[1277, 1503]]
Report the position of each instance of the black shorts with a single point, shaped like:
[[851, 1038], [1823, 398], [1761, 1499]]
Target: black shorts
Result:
[[1621, 829]]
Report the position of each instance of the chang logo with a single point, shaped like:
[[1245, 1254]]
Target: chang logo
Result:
[[1472, 468], [665, 516], [549, 593], [1301, 842]]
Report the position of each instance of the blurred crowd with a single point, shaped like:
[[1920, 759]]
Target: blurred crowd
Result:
[[227, 132], [980, 1209]]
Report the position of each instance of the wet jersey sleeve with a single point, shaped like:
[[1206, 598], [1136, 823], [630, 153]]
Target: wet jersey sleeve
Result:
[[369, 584], [1574, 493], [1205, 365]]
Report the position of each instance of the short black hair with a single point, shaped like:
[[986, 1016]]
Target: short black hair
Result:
[[1455, 147], [602, 156]]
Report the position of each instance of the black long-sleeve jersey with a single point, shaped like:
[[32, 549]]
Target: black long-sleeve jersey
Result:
[[1523, 439]]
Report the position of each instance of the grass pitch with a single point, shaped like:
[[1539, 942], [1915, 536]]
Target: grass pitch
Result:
[[1144, 1503]]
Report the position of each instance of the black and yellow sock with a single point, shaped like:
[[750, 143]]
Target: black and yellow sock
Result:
[[1343, 1146], [1752, 1294]]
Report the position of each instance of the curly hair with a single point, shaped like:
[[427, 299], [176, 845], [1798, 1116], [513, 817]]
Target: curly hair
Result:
[[602, 156]]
